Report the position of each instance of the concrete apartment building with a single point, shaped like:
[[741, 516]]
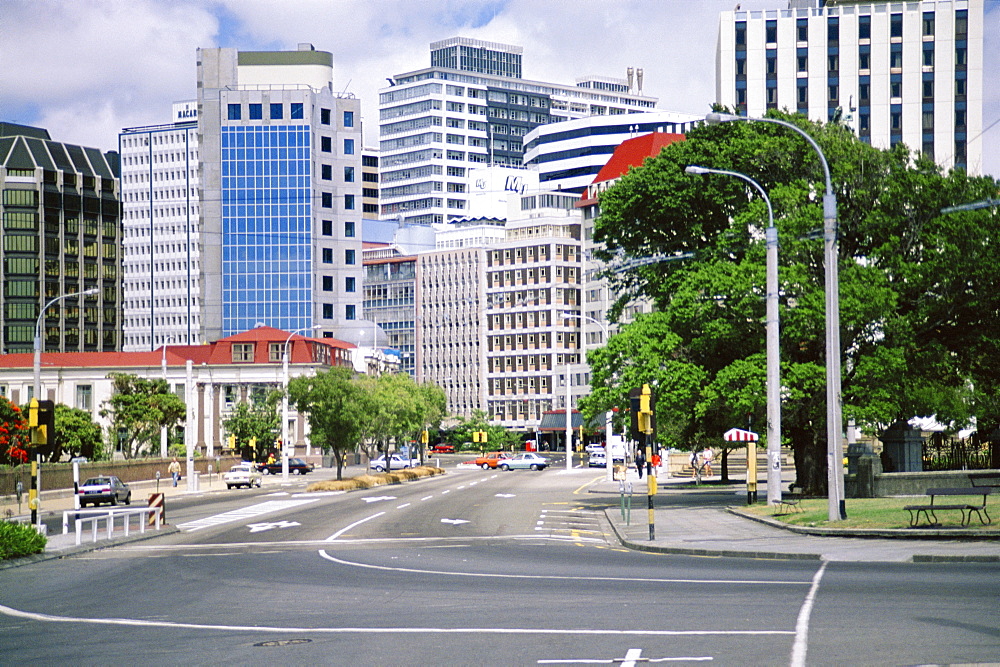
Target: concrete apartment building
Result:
[[161, 211], [60, 213], [281, 193], [908, 72], [472, 108]]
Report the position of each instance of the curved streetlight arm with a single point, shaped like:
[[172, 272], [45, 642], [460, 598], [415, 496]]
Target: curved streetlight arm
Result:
[[694, 169], [37, 384]]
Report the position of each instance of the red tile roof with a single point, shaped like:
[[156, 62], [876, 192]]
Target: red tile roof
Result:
[[630, 153]]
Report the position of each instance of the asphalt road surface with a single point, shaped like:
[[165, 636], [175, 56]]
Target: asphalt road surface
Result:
[[473, 568]]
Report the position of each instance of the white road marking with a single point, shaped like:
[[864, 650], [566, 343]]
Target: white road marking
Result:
[[455, 522], [375, 499], [261, 527], [631, 656], [426, 498], [128, 622], [356, 523], [399, 507], [446, 491], [802, 624], [505, 495], [244, 513]]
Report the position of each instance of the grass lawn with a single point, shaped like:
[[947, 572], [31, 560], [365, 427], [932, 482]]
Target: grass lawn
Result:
[[872, 513]]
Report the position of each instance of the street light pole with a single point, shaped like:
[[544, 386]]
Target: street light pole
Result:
[[37, 368], [284, 401], [836, 509], [773, 347], [607, 417]]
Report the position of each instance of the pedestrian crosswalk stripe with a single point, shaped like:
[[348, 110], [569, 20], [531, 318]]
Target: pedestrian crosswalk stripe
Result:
[[244, 513]]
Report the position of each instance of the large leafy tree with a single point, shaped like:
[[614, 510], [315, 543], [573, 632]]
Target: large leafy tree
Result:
[[919, 305], [255, 422], [138, 408], [76, 434], [337, 409]]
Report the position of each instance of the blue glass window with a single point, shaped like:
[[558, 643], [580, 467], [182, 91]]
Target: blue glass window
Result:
[[348, 256], [295, 111], [327, 311], [349, 230], [348, 174], [326, 172], [348, 119], [326, 144], [234, 112], [256, 111], [328, 255], [349, 312], [327, 283], [277, 112], [348, 146], [327, 226], [350, 284], [349, 202], [327, 199], [324, 116]]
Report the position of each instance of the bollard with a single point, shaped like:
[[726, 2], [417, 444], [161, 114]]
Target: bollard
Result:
[[157, 500]]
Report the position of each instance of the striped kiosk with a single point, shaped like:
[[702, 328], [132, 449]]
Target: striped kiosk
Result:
[[749, 437]]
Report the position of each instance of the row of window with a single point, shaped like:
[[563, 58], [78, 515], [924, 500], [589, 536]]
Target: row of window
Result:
[[276, 111]]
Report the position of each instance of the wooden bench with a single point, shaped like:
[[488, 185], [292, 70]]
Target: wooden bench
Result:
[[929, 510], [789, 501]]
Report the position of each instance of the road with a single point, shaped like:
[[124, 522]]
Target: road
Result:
[[472, 568]]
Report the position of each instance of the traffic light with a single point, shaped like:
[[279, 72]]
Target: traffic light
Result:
[[424, 437], [42, 422], [479, 436], [232, 442], [642, 405]]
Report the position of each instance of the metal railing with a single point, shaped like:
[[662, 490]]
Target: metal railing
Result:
[[110, 517]]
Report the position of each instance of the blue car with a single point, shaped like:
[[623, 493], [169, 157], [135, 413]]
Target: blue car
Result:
[[526, 461]]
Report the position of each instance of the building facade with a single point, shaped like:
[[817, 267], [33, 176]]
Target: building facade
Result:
[[281, 192], [470, 109], [60, 212], [909, 72], [161, 241]]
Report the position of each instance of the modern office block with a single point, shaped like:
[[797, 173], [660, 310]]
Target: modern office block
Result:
[[162, 236], [909, 72], [281, 192], [60, 214], [471, 108]]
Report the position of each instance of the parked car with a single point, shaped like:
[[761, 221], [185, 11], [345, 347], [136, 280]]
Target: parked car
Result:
[[442, 448], [594, 448], [526, 461], [295, 466], [104, 489], [396, 462], [491, 460], [243, 474], [597, 460]]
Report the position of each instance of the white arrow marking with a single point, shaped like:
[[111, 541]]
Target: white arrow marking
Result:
[[454, 521], [505, 495], [375, 499], [261, 527]]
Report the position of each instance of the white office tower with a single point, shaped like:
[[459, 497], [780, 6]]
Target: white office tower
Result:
[[162, 232], [908, 72], [281, 183], [469, 109]]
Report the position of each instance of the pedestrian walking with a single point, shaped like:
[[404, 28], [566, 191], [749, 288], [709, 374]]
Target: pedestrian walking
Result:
[[707, 456], [694, 463], [640, 462], [175, 470]]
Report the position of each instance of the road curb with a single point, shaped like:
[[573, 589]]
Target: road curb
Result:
[[880, 533], [86, 547], [690, 551]]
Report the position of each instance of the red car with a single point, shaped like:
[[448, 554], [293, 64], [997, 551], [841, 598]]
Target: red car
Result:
[[442, 448]]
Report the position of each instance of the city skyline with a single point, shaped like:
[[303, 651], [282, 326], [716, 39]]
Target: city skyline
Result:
[[64, 74]]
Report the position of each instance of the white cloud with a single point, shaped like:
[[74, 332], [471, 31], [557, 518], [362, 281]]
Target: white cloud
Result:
[[86, 69]]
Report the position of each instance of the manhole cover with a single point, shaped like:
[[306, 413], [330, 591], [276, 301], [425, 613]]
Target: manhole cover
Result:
[[283, 642]]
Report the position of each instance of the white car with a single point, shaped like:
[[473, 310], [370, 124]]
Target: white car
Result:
[[593, 449], [396, 462], [243, 474]]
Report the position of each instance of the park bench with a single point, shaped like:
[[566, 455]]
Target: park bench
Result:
[[789, 501], [929, 510], [979, 479]]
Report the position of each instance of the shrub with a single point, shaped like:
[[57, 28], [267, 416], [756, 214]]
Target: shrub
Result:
[[19, 539]]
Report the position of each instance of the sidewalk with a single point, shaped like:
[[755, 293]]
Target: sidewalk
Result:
[[704, 520]]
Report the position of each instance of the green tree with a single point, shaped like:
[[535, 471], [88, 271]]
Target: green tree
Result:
[[14, 434], [137, 409], [917, 326], [336, 406], [76, 435], [497, 437], [255, 422]]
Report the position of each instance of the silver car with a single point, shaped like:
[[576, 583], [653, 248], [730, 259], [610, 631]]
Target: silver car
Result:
[[104, 489]]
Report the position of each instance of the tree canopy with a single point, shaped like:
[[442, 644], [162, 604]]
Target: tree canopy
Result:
[[138, 408], [919, 300]]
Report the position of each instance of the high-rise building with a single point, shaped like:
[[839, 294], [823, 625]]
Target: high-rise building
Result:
[[472, 108], [60, 236], [281, 192], [909, 72], [162, 237]]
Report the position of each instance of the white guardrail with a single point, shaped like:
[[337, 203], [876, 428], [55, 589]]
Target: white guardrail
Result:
[[109, 516]]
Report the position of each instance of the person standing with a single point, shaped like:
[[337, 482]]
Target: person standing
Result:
[[707, 456], [640, 461], [175, 470]]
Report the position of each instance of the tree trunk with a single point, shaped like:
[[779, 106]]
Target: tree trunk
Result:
[[725, 466], [809, 449]]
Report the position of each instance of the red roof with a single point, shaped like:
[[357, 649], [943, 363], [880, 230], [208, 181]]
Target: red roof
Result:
[[630, 153]]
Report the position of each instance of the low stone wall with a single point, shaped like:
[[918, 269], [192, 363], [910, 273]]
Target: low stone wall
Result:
[[910, 483], [60, 475]]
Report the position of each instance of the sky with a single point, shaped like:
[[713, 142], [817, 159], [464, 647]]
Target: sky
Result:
[[86, 69]]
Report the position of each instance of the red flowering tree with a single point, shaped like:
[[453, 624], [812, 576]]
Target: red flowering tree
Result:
[[14, 435]]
